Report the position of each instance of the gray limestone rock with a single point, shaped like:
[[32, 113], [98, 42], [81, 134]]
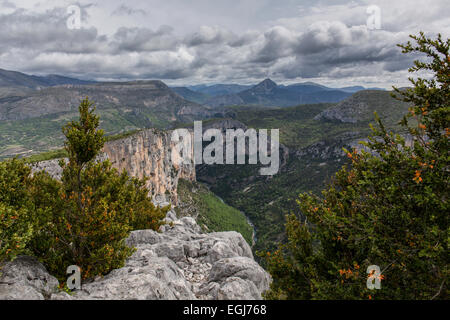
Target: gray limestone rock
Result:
[[25, 278], [178, 263]]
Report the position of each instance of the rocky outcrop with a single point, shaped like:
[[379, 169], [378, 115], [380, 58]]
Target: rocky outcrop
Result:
[[361, 107], [348, 112], [331, 148], [25, 278], [178, 263], [146, 153], [225, 124], [50, 166]]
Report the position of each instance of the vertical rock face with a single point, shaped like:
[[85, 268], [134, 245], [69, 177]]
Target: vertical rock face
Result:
[[149, 153], [146, 153]]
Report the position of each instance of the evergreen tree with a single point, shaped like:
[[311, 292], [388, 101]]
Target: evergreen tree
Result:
[[85, 218]]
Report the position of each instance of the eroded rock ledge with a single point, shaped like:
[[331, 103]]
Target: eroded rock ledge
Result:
[[178, 263]]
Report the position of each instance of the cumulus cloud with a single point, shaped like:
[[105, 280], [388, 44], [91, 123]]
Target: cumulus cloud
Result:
[[325, 35], [209, 35], [319, 41], [46, 32], [276, 43]]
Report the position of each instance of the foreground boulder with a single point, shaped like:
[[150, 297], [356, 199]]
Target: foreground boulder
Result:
[[178, 263], [26, 278]]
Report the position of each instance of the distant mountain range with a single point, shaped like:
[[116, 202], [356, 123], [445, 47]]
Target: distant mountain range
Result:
[[14, 79], [360, 107], [266, 93], [220, 89], [313, 132], [147, 101], [191, 95], [27, 96], [33, 108]]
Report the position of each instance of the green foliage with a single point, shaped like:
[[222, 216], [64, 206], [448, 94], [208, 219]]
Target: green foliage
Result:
[[14, 180], [211, 213], [389, 208], [298, 128], [37, 135], [15, 225], [122, 135], [48, 155], [15, 232], [85, 217], [84, 140], [265, 201], [62, 153]]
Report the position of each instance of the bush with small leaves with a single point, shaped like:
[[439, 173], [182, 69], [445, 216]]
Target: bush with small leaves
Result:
[[388, 208], [15, 223]]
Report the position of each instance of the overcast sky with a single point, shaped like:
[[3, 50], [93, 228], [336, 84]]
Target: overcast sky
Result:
[[185, 42]]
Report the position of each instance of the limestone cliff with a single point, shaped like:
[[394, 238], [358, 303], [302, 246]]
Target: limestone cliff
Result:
[[146, 153], [149, 153]]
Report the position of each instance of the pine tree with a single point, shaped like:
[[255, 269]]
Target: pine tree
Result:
[[86, 217]]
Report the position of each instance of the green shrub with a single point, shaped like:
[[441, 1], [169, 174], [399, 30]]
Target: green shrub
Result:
[[15, 231], [15, 224], [48, 155], [14, 182], [137, 205], [389, 208]]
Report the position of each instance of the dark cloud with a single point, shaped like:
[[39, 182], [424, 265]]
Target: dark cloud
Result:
[[210, 36], [333, 43], [143, 39], [278, 42], [128, 11], [46, 32], [243, 40]]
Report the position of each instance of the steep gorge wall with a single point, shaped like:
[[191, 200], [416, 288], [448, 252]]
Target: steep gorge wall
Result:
[[149, 153], [146, 153]]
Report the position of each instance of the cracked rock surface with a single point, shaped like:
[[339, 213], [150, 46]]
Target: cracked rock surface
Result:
[[178, 263]]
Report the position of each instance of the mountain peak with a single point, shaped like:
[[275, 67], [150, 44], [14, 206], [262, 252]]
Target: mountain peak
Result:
[[266, 85]]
